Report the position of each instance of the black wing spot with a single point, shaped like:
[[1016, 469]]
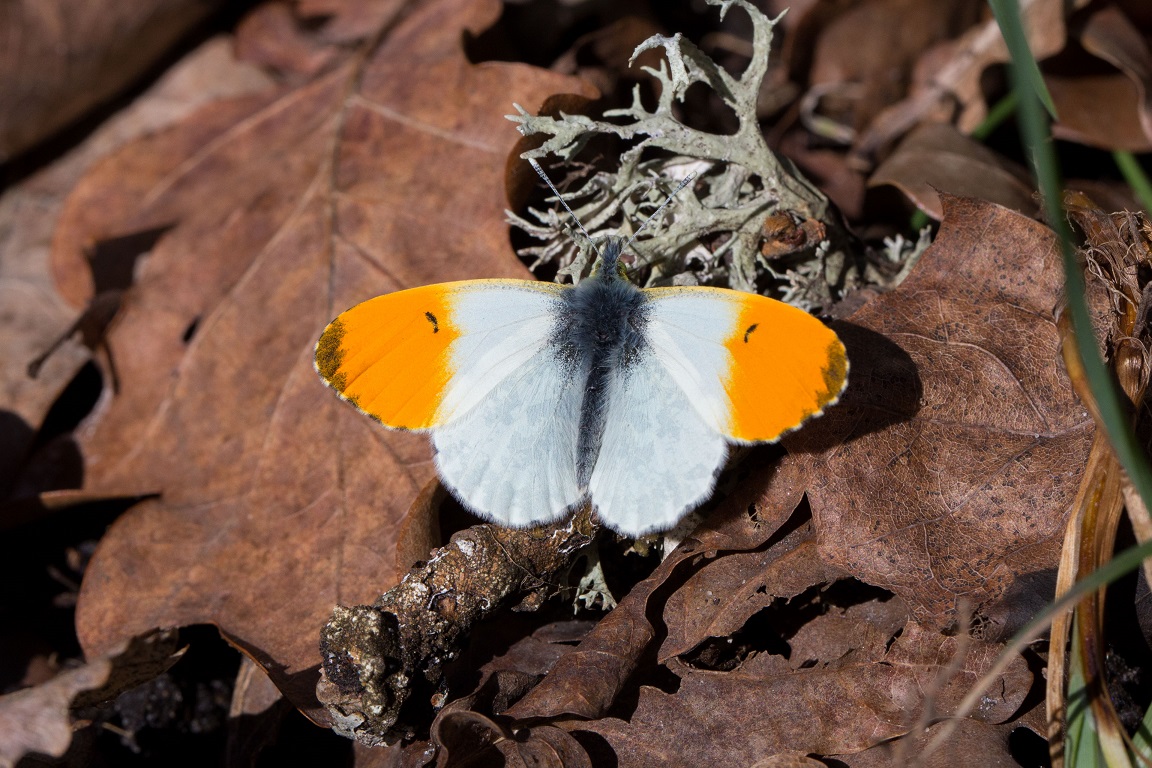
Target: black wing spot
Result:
[[748, 332], [432, 319]]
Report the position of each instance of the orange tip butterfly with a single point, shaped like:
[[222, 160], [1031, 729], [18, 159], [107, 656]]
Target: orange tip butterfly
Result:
[[539, 397]]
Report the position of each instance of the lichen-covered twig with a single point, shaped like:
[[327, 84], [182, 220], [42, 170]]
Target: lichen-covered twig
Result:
[[742, 182], [376, 656]]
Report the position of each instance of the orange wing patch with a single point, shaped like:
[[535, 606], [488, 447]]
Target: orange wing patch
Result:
[[786, 367], [389, 356]]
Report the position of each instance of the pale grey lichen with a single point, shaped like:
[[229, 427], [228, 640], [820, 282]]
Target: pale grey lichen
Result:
[[740, 183]]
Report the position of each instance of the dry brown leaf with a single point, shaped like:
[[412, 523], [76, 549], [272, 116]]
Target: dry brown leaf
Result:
[[61, 59], [973, 744], [718, 599], [278, 500], [863, 56], [1106, 109], [953, 79], [587, 681], [32, 316], [841, 707], [937, 157], [472, 740], [971, 491], [32, 313], [38, 719]]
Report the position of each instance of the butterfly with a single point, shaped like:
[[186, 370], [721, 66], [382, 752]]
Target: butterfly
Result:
[[539, 397]]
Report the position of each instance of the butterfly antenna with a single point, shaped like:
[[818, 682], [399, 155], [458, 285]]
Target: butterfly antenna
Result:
[[536, 166], [687, 180]]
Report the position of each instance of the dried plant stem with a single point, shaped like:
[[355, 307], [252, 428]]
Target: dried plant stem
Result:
[[374, 656]]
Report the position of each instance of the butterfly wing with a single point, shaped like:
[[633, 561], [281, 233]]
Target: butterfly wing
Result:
[[512, 456], [658, 458], [755, 368], [471, 363], [718, 366]]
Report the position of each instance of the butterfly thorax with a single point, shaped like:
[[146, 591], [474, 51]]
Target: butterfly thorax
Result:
[[600, 333]]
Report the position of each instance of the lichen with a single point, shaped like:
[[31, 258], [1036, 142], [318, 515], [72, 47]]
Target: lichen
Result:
[[741, 185]]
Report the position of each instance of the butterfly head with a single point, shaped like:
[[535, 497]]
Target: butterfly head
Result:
[[609, 266]]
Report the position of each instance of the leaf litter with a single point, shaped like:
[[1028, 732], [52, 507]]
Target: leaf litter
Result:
[[833, 584]]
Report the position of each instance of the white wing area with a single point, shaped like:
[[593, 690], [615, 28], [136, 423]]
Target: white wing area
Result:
[[502, 325], [512, 457], [508, 447], [659, 457], [686, 331]]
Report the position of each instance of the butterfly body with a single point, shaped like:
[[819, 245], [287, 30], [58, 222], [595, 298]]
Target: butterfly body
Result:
[[538, 396], [601, 331]]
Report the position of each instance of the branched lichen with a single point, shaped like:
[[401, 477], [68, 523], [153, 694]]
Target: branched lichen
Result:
[[741, 183]]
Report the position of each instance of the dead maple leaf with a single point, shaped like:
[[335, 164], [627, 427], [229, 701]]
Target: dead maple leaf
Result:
[[282, 209]]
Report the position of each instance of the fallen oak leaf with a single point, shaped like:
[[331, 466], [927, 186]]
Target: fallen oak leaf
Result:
[[719, 598], [39, 719], [971, 493], [587, 682], [34, 319], [936, 157], [956, 81], [973, 744], [472, 739], [60, 61], [844, 706], [1106, 109], [279, 501]]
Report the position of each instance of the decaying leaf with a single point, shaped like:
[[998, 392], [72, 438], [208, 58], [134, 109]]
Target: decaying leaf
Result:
[[935, 157], [34, 318], [954, 79], [60, 60], [1098, 105], [970, 492], [282, 209], [38, 719]]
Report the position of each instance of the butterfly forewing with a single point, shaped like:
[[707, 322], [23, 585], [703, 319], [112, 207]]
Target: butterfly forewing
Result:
[[471, 362], [414, 358], [754, 367], [389, 356]]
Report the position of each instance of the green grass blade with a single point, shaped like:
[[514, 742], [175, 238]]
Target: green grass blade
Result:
[[1026, 72], [1134, 174]]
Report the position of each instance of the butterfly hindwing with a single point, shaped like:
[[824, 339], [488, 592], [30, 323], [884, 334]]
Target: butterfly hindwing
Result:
[[717, 366], [659, 457], [512, 456]]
